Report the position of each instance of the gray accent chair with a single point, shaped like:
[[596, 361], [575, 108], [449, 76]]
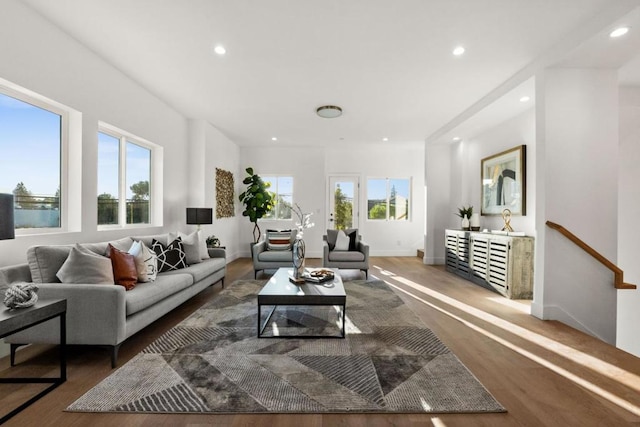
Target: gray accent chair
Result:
[[264, 259], [357, 259]]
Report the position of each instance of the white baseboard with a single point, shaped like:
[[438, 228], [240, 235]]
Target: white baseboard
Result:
[[553, 312], [433, 260]]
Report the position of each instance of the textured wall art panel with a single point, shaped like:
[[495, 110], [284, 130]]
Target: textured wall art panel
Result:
[[224, 194]]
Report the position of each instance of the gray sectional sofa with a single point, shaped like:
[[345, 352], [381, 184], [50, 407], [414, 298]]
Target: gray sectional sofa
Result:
[[102, 314]]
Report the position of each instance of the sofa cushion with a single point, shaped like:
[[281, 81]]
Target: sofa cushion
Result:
[[146, 261], [333, 234], [204, 251], [146, 294], [45, 260], [190, 244], [125, 272], [102, 248], [280, 256], [342, 242], [279, 240], [170, 257], [148, 240], [201, 270], [86, 267], [346, 256]]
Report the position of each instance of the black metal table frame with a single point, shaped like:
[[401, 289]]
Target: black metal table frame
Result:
[[55, 382], [262, 327]]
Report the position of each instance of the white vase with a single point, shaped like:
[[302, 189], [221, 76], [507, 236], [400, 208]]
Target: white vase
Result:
[[465, 223], [474, 222]]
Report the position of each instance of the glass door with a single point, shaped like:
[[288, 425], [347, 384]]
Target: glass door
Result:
[[343, 202]]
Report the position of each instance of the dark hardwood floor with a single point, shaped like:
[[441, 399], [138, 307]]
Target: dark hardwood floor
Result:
[[543, 372]]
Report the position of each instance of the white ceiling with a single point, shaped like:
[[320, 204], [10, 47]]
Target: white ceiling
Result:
[[388, 64]]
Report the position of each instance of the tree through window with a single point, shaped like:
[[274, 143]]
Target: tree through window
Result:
[[388, 199], [282, 188], [124, 179], [31, 140]]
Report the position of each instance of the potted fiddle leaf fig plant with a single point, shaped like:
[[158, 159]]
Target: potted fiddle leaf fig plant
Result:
[[257, 200]]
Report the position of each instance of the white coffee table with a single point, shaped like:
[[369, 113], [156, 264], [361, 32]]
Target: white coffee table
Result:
[[280, 291]]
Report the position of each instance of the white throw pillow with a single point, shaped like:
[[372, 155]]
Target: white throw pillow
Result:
[[204, 252], [342, 242], [86, 267], [146, 262]]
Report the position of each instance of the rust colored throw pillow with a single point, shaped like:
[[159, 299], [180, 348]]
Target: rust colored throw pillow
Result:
[[124, 268]]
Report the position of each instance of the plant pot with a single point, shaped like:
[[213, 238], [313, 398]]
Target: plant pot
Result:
[[474, 222], [465, 223]]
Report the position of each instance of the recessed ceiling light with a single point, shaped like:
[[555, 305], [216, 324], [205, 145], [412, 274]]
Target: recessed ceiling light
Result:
[[524, 99], [274, 138], [385, 139], [220, 50], [459, 50], [456, 139], [619, 32], [329, 111]]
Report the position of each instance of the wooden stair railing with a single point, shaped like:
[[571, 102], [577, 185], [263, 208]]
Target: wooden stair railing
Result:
[[618, 274]]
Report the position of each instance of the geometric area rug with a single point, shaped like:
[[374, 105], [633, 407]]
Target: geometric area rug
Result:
[[212, 362]]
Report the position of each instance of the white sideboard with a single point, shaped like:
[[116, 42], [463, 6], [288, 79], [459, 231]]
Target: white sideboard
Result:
[[501, 262]]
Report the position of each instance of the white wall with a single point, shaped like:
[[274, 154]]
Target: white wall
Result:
[[438, 195], [581, 177], [224, 154], [453, 180], [628, 324], [41, 58], [310, 168], [519, 130], [385, 238]]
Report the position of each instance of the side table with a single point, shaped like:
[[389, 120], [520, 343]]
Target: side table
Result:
[[12, 321]]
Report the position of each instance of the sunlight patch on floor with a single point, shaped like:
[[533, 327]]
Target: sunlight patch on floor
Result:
[[606, 369], [515, 304], [437, 422]]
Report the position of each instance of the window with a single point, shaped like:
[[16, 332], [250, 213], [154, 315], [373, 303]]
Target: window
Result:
[[32, 140], [124, 178], [282, 187], [388, 199]]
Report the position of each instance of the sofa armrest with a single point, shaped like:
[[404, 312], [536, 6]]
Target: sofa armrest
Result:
[[96, 314], [364, 248], [325, 250], [257, 249], [217, 253]]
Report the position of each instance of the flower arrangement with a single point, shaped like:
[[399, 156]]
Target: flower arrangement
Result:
[[304, 220]]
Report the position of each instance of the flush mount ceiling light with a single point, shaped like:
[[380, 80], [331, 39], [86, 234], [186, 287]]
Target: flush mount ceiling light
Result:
[[220, 50], [456, 139], [619, 32], [459, 50], [525, 99], [329, 111], [385, 139], [274, 138]]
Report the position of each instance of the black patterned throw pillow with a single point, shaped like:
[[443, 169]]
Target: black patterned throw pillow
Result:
[[170, 257]]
